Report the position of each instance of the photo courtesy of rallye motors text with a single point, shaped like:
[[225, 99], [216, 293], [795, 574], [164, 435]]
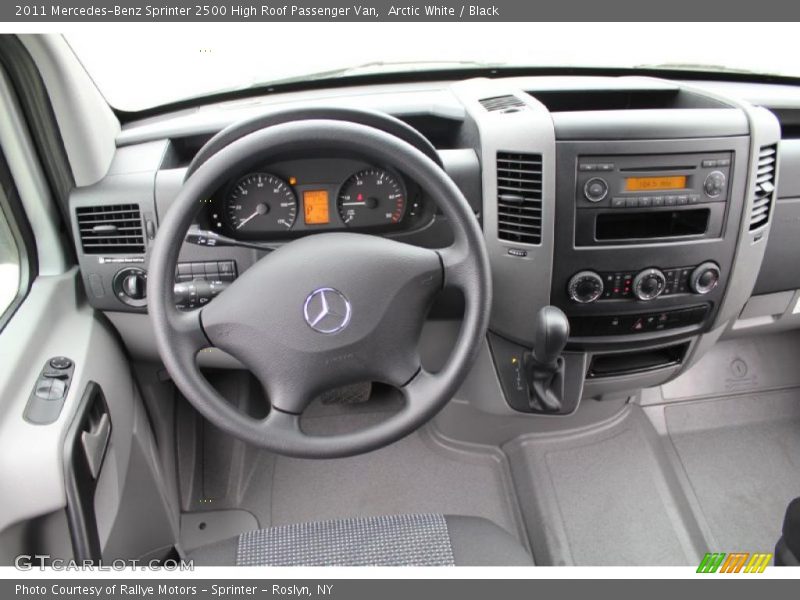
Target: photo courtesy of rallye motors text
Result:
[[143, 591]]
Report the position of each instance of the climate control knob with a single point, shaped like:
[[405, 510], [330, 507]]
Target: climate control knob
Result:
[[704, 278], [585, 287], [649, 284]]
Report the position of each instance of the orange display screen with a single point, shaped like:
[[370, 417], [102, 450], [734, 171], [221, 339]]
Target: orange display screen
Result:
[[315, 207], [646, 184]]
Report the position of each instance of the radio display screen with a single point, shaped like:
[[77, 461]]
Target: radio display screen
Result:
[[648, 184], [315, 207]]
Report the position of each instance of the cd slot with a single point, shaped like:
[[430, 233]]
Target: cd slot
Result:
[[651, 224], [649, 168]]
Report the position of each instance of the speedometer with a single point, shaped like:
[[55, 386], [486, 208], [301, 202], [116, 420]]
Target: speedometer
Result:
[[260, 203], [372, 198]]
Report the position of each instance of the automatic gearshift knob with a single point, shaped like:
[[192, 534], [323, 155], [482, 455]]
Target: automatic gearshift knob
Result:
[[552, 331]]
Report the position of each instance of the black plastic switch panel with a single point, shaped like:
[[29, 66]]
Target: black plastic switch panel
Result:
[[50, 391], [218, 270], [606, 325]]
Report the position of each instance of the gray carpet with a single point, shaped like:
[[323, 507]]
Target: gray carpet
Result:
[[604, 497], [413, 475], [742, 457]]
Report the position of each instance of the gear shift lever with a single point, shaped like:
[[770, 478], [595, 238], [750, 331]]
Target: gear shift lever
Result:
[[544, 366]]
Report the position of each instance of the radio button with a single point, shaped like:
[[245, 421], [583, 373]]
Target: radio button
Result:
[[682, 200], [710, 163], [618, 203], [631, 202], [658, 200], [596, 189], [670, 200], [645, 202]]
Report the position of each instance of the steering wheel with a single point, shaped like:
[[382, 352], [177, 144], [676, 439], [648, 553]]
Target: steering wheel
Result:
[[325, 310]]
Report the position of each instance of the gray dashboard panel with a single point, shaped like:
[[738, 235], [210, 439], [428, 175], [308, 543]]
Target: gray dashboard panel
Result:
[[783, 247], [649, 124], [789, 165], [399, 100], [521, 283]]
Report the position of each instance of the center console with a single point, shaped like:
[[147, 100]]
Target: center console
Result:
[[645, 235], [650, 223]]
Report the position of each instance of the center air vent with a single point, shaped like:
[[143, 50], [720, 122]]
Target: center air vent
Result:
[[519, 197], [112, 229], [503, 104], [765, 186]]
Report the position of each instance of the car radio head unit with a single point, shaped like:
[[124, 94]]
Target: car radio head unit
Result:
[[630, 198]]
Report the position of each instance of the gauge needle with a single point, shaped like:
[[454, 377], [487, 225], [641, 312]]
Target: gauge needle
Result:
[[369, 203], [261, 209]]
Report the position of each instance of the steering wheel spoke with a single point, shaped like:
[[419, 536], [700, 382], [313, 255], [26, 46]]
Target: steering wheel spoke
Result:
[[418, 390], [188, 327], [291, 397], [458, 266]]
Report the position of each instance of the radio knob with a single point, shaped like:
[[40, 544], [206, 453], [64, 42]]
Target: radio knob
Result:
[[585, 287], [649, 284], [714, 184], [704, 278], [595, 189]]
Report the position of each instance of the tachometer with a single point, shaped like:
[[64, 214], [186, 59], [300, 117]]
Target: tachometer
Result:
[[371, 198], [260, 203]]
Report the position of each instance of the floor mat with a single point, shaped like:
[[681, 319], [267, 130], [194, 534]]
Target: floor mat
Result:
[[604, 497], [742, 458]]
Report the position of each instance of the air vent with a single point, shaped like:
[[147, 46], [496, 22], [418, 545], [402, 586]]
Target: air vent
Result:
[[503, 104], [519, 197], [765, 186], [113, 229]]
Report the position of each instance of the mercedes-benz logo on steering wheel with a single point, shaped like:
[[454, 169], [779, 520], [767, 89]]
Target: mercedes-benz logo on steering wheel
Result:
[[327, 310]]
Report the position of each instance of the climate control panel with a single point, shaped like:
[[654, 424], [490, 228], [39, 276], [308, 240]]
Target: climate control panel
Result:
[[645, 285]]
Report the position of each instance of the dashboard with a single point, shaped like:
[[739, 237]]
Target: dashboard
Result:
[[650, 211]]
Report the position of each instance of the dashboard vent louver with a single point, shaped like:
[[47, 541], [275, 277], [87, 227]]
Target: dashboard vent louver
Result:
[[502, 104], [519, 197], [111, 229], [765, 186]]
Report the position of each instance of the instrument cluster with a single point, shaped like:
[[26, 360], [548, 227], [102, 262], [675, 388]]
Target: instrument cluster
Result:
[[292, 198]]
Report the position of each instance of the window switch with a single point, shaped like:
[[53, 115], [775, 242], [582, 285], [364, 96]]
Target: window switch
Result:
[[57, 389], [50, 391], [43, 387]]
